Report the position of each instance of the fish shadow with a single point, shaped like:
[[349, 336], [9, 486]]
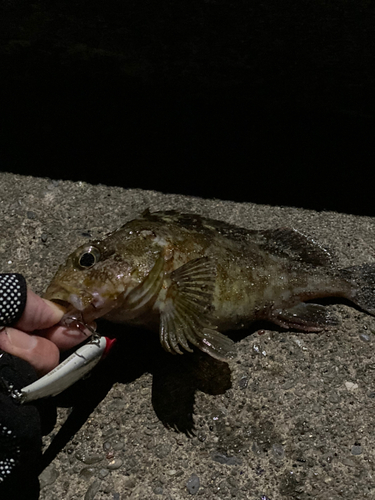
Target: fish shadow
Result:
[[175, 380]]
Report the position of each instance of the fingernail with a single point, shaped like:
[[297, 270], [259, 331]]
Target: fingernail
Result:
[[20, 339]]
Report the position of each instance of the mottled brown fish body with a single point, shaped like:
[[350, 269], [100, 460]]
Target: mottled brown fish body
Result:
[[190, 277]]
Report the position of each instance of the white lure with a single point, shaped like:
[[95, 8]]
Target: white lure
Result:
[[72, 369]]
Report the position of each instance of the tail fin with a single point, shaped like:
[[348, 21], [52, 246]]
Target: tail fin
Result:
[[362, 279]]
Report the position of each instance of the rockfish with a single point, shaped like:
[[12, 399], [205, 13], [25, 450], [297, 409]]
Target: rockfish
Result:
[[190, 278]]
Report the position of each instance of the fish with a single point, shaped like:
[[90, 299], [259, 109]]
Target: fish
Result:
[[191, 278]]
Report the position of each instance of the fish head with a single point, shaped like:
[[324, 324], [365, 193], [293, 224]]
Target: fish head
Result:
[[94, 280]]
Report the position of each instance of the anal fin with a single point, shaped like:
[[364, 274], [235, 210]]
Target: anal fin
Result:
[[305, 316]]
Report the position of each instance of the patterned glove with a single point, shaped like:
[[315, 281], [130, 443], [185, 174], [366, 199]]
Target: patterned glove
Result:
[[13, 293]]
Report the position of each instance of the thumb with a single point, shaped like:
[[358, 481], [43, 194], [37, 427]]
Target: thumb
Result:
[[39, 313]]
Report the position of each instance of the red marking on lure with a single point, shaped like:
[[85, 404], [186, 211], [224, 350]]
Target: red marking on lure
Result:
[[109, 344]]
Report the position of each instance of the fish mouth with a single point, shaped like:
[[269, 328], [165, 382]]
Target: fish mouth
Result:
[[81, 305], [73, 318], [69, 297], [80, 311]]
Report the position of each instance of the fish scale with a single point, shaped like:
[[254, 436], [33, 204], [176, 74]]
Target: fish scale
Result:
[[192, 278]]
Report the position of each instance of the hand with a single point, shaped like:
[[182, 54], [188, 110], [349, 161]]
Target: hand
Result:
[[36, 337]]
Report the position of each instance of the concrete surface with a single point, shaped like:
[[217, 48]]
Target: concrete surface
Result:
[[291, 418]]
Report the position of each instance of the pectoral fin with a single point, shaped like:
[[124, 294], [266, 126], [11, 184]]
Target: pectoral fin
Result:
[[305, 316], [186, 318]]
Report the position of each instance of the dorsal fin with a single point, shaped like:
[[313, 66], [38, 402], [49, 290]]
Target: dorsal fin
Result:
[[296, 246], [283, 241]]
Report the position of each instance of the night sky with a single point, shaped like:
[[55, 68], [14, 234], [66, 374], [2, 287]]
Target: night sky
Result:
[[264, 102]]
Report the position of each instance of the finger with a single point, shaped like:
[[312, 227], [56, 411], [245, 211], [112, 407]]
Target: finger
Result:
[[64, 337], [41, 353], [39, 313]]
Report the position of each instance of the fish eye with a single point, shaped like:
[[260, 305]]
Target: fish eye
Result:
[[89, 258]]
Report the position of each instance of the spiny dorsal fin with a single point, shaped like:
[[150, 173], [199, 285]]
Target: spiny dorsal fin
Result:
[[186, 315], [296, 246]]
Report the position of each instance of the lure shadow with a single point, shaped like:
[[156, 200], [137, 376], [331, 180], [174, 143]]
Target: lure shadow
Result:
[[175, 380]]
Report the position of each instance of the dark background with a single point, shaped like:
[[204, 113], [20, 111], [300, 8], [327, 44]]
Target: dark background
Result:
[[260, 101]]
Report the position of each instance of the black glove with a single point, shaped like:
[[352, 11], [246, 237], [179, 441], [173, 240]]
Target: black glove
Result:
[[20, 433], [20, 427]]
